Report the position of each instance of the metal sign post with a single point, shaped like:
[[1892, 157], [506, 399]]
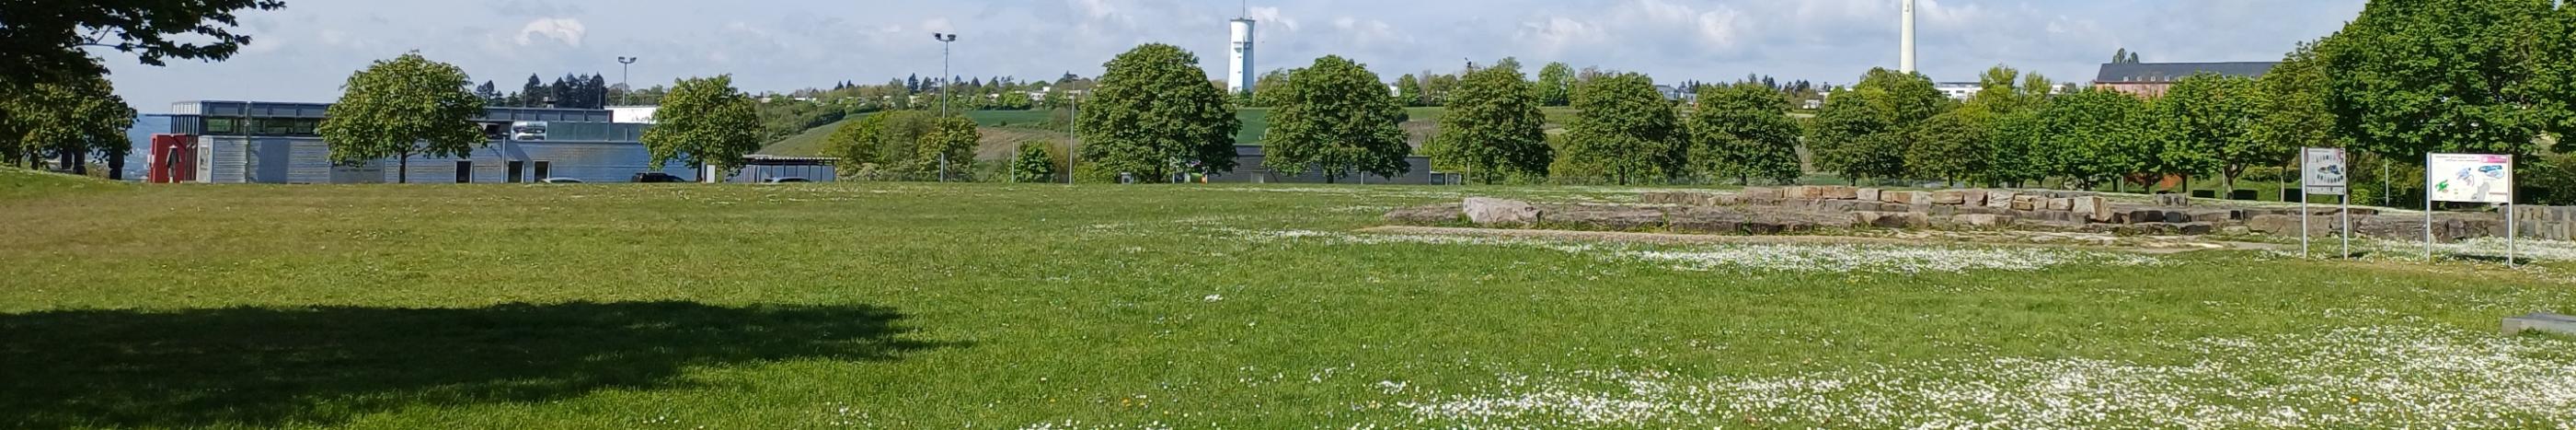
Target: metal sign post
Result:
[[2322, 172]]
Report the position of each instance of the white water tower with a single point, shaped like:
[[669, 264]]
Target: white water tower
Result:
[[1905, 62], [1239, 78]]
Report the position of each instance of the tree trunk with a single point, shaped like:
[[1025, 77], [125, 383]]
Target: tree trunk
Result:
[[402, 173]]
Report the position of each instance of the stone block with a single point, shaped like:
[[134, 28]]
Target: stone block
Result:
[[1868, 194], [2218, 216], [1981, 220], [1974, 198], [2095, 209], [1838, 192], [2135, 216], [1906, 197], [1803, 192], [2029, 203], [2000, 199], [2288, 225], [2061, 204], [2542, 322], [1892, 219], [1750, 193], [1498, 212], [2197, 228], [2177, 217], [1950, 197]]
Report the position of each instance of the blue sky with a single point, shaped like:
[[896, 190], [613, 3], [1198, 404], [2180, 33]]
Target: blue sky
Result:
[[303, 53]]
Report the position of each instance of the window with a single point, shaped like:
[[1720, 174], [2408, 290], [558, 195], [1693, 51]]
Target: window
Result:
[[464, 171], [221, 126], [544, 170], [514, 174], [306, 127], [276, 126]]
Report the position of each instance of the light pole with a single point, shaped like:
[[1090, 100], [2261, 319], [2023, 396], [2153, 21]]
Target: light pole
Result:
[[625, 76], [944, 40], [1073, 135]]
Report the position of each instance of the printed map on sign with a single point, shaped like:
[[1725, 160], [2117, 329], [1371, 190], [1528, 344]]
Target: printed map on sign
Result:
[[2324, 171], [2469, 178]]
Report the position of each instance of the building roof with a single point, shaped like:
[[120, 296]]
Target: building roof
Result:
[[2126, 73]]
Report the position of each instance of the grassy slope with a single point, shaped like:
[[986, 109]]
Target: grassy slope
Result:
[[1013, 126], [18, 183], [990, 306]]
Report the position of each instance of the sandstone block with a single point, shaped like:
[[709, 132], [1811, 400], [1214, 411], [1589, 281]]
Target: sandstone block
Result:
[[1498, 212], [2029, 203], [1759, 193], [1892, 219], [1868, 194], [2061, 204], [1840, 192], [1981, 220], [2000, 199], [1949, 197]]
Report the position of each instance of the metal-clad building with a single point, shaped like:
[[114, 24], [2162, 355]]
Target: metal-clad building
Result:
[[264, 142]]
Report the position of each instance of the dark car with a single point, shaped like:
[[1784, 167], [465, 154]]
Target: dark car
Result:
[[657, 178]]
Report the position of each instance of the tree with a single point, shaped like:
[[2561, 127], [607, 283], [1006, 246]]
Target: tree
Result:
[[403, 107], [2414, 77], [1035, 163], [2124, 57], [1409, 90], [1556, 84], [1850, 137], [706, 122], [1336, 117], [2092, 135], [491, 96], [1493, 129], [1625, 130], [1153, 113], [1744, 131], [947, 148], [49, 41], [535, 93], [1272, 89], [1952, 146], [2205, 124], [65, 119], [1014, 100], [595, 93]]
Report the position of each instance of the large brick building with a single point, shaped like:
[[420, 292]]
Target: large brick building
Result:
[[2151, 80]]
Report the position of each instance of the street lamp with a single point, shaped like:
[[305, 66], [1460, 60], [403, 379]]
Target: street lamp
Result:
[[625, 76], [944, 40]]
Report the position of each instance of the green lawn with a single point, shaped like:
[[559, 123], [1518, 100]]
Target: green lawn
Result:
[[881, 305]]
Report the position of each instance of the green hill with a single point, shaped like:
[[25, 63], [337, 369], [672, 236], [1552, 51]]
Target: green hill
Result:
[[17, 183], [1005, 128]]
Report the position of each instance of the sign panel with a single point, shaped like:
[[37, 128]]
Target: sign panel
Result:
[[2469, 178], [2323, 171]]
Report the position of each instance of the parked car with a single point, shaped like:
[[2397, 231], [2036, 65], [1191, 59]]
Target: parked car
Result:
[[560, 181], [657, 178], [785, 180]]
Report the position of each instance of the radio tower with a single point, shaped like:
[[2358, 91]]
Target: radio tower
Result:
[[1905, 60]]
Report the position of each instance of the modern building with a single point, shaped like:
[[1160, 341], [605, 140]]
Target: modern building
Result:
[[2151, 80], [1960, 91], [273, 142]]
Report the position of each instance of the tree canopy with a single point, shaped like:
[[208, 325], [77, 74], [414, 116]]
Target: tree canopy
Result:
[[1154, 113], [1625, 131], [1494, 129], [1743, 131], [64, 119], [400, 108], [706, 122], [1336, 117], [1555, 84], [45, 41], [2411, 77], [2205, 123]]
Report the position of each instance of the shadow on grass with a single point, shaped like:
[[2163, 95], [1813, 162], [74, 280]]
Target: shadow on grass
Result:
[[275, 366]]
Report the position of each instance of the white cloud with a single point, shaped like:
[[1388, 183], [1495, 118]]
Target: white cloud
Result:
[[567, 31]]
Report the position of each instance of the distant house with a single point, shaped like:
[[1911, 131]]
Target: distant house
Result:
[[1677, 94], [1960, 91], [2151, 80]]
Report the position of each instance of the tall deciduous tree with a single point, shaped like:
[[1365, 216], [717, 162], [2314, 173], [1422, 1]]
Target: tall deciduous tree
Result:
[[2093, 135], [67, 120], [1555, 84], [1034, 163], [1493, 129], [2205, 124], [1952, 146], [1626, 131], [1154, 113], [47, 41], [1850, 137], [2411, 77], [1272, 89], [1336, 117], [947, 149], [1743, 131], [400, 108], [1408, 90], [706, 122]]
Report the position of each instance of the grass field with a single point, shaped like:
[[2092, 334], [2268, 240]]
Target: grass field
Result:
[[1017, 126], [874, 305]]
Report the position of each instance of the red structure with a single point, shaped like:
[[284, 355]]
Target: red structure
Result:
[[173, 159]]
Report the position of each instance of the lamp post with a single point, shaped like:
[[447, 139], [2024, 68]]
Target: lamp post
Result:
[[625, 76], [944, 40]]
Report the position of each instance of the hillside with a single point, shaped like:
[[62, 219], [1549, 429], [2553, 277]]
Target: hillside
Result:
[[18, 183], [1004, 130]]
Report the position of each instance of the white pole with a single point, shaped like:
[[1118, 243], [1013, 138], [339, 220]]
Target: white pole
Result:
[[2428, 207], [2347, 223], [2304, 214]]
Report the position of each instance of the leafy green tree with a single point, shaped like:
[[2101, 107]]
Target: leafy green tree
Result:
[[1154, 113], [1409, 90], [2411, 77], [2205, 124], [1902, 99], [1850, 137], [1625, 130], [1556, 85], [1493, 129], [947, 149], [856, 144], [2291, 109], [1272, 89], [2092, 135], [400, 108], [1743, 131], [49, 41], [1035, 163], [1014, 100], [1336, 117], [706, 122], [67, 119], [1951, 146], [2015, 142]]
